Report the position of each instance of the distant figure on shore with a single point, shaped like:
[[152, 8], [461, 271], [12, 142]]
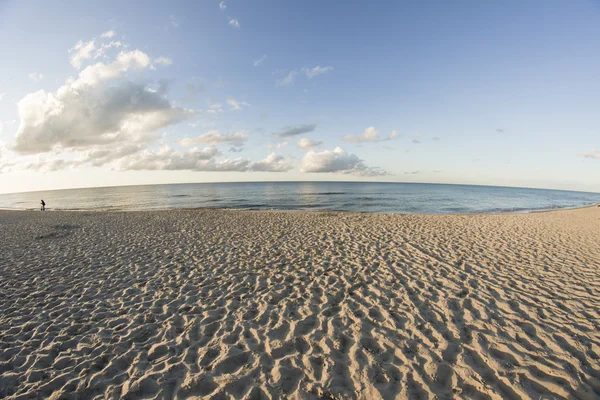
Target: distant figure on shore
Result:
[[43, 208]]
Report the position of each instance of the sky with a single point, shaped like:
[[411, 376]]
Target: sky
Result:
[[469, 92]]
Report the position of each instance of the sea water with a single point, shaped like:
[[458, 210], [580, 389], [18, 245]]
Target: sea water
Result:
[[411, 198]]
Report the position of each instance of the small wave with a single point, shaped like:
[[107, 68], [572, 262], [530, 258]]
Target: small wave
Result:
[[181, 195]]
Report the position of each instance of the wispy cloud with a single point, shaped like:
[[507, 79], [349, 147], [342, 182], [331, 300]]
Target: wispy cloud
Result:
[[83, 51], [312, 72], [288, 79], [108, 34], [234, 22], [36, 76], [259, 61], [163, 61], [2, 96], [173, 21], [215, 137], [295, 130], [215, 108], [222, 5], [309, 73], [235, 104]]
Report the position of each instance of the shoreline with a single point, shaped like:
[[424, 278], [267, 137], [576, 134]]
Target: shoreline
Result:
[[520, 212]]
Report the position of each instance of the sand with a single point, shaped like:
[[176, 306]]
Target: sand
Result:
[[227, 304]]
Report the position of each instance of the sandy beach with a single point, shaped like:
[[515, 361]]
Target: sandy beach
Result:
[[228, 304]]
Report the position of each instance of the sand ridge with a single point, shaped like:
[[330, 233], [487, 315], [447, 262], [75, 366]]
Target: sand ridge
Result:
[[225, 304]]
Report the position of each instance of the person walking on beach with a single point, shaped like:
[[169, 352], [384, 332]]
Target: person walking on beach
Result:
[[43, 207]]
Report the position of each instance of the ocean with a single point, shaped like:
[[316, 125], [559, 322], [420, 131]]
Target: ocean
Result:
[[409, 198]]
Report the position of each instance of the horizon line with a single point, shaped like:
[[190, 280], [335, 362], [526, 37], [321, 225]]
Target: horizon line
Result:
[[298, 181]]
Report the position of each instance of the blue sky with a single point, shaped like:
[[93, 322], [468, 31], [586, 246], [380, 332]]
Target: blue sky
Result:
[[433, 91]]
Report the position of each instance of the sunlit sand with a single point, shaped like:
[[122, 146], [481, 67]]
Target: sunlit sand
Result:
[[230, 304]]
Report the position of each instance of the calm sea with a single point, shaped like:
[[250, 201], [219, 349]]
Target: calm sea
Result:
[[417, 198]]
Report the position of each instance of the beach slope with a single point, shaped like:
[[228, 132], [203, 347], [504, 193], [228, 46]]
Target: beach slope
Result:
[[227, 304]]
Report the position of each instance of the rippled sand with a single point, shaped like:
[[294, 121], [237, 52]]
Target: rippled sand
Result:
[[226, 304]]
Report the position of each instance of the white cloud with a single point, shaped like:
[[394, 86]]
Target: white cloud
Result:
[[215, 137], [36, 76], [235, 104], [337, 161], [273, 163], [108, 34], [234, 22], [163, 61], [95, 109], [2, 96], [312, 72], [173, 21], [594, 154], [289, 78], [369, 135], [94, 74], [222, 5], [295, 130], [259, 61], [308, 144], [82, 51]]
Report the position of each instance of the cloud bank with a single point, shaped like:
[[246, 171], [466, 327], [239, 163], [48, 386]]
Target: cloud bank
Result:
[[201, 160]]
